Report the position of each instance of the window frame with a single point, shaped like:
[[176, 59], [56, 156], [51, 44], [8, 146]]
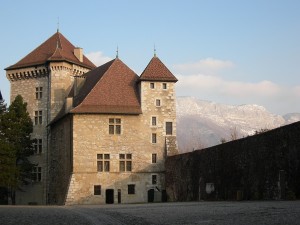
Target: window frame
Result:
[[97, 189], [154, 158], [154, 138], [164, 86], [152, 85], [158, 102], [154, 179], [38, 146], [38, 93], [103, 162], [131, 189], [114, 126], [38, 117], [37, 174], [153, 121], [169, 130], [125, 162]]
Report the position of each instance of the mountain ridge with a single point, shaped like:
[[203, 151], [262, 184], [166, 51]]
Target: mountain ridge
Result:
[[202, 123]]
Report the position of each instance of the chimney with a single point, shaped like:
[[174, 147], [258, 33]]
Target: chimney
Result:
[[78, 52]]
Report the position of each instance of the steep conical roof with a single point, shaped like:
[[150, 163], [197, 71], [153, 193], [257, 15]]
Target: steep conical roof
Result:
[[110, 88], [157, 71], [1, 99], [56, 48]]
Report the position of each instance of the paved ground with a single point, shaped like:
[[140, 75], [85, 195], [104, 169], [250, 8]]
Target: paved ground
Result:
[[246, 213]]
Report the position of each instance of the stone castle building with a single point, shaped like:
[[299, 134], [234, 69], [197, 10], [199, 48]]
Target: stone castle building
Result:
[[102, 134]]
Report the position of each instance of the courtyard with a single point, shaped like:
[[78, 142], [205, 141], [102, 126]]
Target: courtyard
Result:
[[252, 212]]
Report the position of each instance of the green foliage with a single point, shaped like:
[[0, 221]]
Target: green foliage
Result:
[[16, 145]]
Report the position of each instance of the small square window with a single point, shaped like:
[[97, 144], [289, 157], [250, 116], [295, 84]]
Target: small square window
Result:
[[164, 85], [128, 156], [152, 86], [157, 102], [131, 189], [122, 156], [97, 189]]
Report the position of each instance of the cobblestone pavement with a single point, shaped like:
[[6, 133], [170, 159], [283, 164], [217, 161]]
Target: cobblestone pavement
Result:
[[244, 213]]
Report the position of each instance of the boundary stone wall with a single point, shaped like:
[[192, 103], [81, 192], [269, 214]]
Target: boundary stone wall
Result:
[[263, 166]]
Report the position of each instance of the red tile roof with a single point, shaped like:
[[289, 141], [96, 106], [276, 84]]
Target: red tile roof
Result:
[[157, 71], [110, 88], [56, 48]]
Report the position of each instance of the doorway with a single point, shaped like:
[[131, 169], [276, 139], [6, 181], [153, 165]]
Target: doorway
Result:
[[109, 196], [151, 195]]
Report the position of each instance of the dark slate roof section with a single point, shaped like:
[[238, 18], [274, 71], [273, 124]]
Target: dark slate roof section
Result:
[[1, 98], [56, 48], [157, 71], [111, 88]]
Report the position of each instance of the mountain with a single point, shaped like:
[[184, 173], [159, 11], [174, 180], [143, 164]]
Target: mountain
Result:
[[202, 124]]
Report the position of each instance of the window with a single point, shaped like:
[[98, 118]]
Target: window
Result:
[[154, 157], [38, 146], [114, 126], [164, 86], [157, 102], [153, 120], [154, 179], [131, 189], [38, 92], [169, 128], [125, 162], [97, 189], [152, 86], [153, 138], [37, 174], [103, 162], [38, 117]]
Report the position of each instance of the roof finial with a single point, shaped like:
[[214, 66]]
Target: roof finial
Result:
[[57, 24], [117, 56], [154, 50]]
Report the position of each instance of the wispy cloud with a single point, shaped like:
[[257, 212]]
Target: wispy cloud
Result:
[[98, 58], [204, 80], [236, 89], [206, 66]]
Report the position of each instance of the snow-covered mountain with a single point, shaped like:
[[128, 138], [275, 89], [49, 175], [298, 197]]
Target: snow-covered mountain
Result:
[[202, 124]]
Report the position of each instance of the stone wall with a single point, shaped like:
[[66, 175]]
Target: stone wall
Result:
[[90, 136], [24, 82], [61, 160], [264, 166]]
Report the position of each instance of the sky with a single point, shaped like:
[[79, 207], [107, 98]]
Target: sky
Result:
[[226, 51]]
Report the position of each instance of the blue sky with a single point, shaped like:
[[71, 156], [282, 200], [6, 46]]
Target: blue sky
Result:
[[232, 52]]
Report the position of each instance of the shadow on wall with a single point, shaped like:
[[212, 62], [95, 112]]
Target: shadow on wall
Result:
[[264, 166]]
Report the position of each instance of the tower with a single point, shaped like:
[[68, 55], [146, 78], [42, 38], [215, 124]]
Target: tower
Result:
[[45, 78], [158, 100]]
